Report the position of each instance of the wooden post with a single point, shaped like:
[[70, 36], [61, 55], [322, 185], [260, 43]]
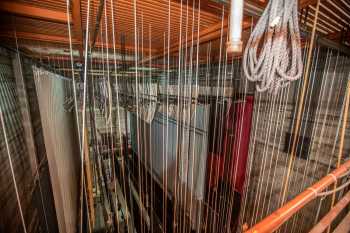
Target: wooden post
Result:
[[88, 179]]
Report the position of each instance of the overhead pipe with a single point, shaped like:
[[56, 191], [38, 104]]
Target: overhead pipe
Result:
[[272, 222], [235, 44]]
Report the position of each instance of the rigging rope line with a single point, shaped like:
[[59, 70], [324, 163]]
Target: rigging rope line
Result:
[[276, 63], [3, 126]]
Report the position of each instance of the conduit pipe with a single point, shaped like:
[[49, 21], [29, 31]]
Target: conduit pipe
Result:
[[326, 221], [272, 222], [234, 45]]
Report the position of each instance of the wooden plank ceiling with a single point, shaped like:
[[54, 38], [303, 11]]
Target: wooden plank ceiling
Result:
[[44, 23]]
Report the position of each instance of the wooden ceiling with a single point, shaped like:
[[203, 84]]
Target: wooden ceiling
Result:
[[44, 23]]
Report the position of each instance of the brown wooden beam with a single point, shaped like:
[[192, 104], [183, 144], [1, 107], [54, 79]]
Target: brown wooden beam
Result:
[[209, 34], [305, 3], [344, 225], [77, 25], [208, 6], [98, 22], [33, 12], [88, 183], [62, 40], [38, 37]]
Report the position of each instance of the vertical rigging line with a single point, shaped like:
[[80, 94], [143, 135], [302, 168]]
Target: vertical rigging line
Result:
[[178, 123], [12, 170], [189, 117], [301, 101], [315, 63], [338, 126], [293, 122], [321, 133], [226, 198], [313, 69], [223, 112], [216, 108], [167, 121], [36, 159], [118, 109], [164, 86], [137, 104], [279, 103], [73, 75], [318, 110], [184, 117], [342, 136], [193, 190], [292, 125], [251, 151], [83, 111], [150, 126], [325, 116], [219, 195], [103, 98], [251, 157], [207, 102], [143, 126], [271, 107], [231, 199], [266, 101]]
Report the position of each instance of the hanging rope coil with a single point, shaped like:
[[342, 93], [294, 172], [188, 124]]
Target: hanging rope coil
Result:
[[278, 61]]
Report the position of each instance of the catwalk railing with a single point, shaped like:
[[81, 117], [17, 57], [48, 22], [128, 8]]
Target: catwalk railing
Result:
[[275, 220]]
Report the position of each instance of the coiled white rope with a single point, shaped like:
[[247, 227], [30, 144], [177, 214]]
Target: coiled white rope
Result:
[[278, 61]]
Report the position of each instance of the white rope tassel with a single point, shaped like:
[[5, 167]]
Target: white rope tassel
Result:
[[279, 60]]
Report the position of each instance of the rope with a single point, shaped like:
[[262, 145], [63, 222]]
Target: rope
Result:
[[279, 61], [326, 193]]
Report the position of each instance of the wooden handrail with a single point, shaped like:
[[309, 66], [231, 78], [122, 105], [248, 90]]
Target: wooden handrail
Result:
[[327, 220]]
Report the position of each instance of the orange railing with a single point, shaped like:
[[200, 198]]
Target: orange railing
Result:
[[272, 222]]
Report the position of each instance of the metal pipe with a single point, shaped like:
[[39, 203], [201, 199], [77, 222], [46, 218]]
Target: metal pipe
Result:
[[235, 34], [326, 221], [272, 222]]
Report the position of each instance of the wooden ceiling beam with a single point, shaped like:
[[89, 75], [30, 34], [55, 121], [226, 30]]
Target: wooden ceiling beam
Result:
[[305, 3], [98, 22], [208, 6], [39, 37], [302, 3], [77, 25], [209, 34], [62, 40], [25, 10]]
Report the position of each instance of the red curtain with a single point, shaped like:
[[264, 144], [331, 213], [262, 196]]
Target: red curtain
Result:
[[230, 165]]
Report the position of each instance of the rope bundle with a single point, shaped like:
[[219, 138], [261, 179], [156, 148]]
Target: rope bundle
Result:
[[278, 61]]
